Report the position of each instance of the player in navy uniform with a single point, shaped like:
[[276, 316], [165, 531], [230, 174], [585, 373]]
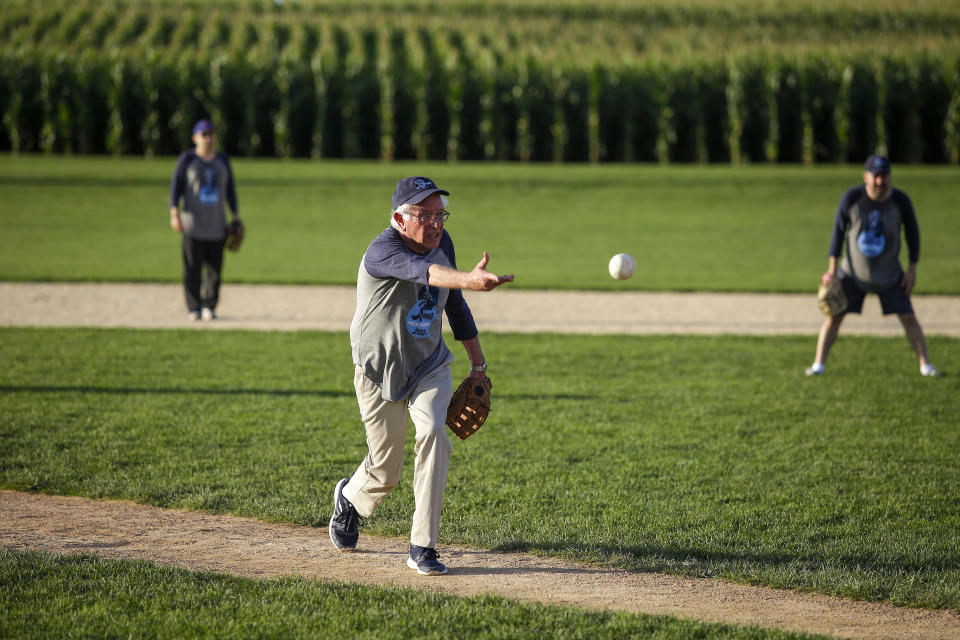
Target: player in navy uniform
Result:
[[204, 181], [407, 280], [868, 224]]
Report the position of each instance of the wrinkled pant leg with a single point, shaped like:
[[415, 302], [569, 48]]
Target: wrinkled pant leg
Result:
[[428, 409], [386, 428]]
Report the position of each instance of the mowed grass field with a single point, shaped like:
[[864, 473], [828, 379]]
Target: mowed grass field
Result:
[[690, 228], [705, 456], [80, 597]]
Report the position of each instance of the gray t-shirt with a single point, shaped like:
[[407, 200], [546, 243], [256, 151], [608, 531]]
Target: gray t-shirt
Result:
[[870, 231], [395, 335], [204, 187]]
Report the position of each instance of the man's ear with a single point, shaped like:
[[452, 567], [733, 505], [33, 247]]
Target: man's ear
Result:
[[398, 220]]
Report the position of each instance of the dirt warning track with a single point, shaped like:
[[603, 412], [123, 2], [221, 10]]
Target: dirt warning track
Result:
[[250, 548], [293, 307]]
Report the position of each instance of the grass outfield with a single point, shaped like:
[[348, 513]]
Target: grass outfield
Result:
[[77, 596], [555, 227], [693, 455]]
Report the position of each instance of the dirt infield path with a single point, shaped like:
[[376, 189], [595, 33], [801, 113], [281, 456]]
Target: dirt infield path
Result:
[[197, 541], [331, 308], [245, 547]]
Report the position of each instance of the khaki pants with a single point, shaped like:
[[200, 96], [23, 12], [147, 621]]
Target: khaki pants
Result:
[[386, 426]]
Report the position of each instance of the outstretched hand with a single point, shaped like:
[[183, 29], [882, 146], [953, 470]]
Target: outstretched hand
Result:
[[483, 280]]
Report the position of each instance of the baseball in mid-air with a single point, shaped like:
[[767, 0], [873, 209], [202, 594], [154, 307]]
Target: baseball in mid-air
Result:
[[622, 266]]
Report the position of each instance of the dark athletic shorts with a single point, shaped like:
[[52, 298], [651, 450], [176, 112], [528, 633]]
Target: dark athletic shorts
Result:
[[892, 300]]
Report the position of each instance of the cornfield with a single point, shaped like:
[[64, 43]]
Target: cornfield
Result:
[[517, 80]]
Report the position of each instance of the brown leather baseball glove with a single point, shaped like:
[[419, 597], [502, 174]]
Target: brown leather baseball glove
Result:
[[830, 296], [469, 406], [235, 232]]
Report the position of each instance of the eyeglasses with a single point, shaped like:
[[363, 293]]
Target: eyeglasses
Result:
[[441, 217]]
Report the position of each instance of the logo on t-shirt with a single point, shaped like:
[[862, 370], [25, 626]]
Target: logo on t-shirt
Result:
[[209, 193], [871, 240], [420, 318]]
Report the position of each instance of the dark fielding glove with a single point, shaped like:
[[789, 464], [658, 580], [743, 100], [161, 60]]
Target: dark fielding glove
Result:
[[830, 296], [469, 406], [235, 233]]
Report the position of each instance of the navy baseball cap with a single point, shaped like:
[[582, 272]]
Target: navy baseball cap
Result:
[[877, 164], [203, 126], [415, 190]]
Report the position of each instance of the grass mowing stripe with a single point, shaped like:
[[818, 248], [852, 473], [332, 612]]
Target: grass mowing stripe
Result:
[[694, 455], [689, 227], [46, 596]]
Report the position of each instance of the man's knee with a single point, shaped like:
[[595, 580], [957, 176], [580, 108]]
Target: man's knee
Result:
[[435, 438], [439, 432]]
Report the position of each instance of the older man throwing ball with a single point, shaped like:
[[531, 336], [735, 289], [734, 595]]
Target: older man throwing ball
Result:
[[407, 276]]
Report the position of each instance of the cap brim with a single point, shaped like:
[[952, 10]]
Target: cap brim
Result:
[[426, 193]]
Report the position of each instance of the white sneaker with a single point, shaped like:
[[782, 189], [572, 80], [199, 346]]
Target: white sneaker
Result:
[[929, 371], [426, 561], [193, 316], [816, 369], [207, 314]]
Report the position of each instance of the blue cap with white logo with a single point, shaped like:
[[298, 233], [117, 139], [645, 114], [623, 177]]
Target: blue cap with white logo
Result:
[[877, 164], [415, 190], [203, 126]]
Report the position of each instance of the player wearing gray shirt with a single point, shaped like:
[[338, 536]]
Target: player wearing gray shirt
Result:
[[867, 233], [396, 331], [407, 280], [867, 226], [203, 180]]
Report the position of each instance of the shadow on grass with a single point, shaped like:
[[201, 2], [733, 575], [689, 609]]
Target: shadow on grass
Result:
[[462, 569], [172, 391], [663, 560], [8, 388]]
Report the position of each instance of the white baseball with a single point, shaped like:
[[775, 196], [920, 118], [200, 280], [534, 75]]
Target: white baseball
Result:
[[622, 266]]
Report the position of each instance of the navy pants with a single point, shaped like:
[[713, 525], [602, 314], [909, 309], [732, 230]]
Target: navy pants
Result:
[[202, 263]]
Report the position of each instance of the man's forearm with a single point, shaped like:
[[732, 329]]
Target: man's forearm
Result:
[[447, 277], [475, 355], [472, 347], [477, 280]]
